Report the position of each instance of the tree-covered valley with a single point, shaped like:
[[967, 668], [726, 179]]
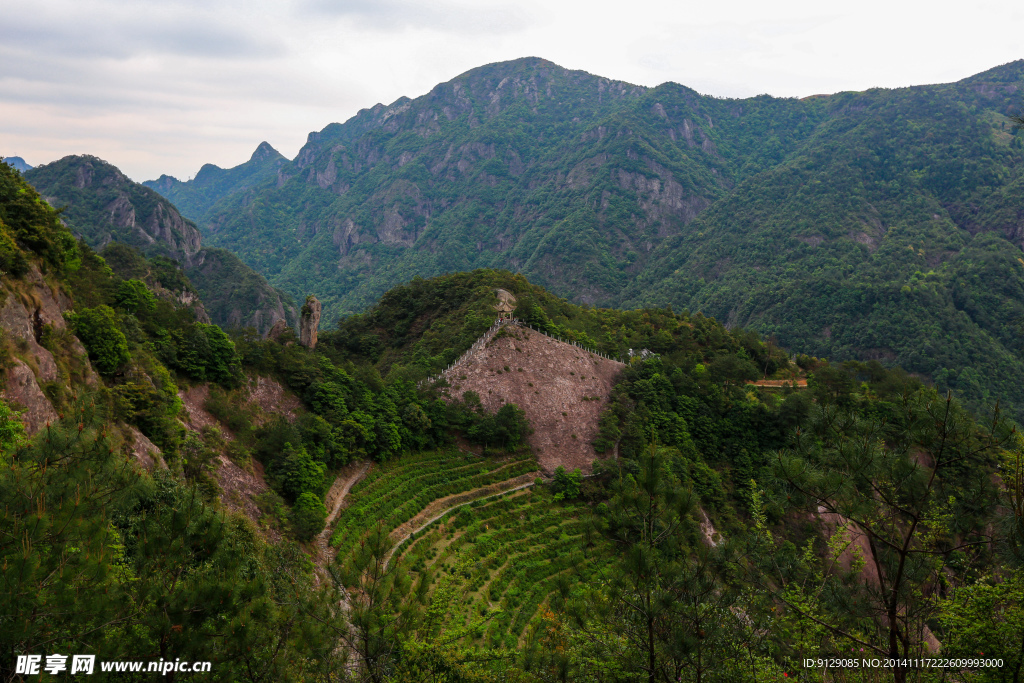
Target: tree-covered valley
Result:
[[175, 490]]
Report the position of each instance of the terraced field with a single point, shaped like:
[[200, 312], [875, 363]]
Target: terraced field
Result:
[[500, 558], [472, 527], [397, 491]]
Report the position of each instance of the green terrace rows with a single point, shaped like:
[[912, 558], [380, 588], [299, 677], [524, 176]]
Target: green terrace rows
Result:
[[497, 561], [395, 491]]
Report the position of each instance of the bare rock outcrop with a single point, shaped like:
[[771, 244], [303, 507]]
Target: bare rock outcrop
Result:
[[25, 313], [562, 388], [309, 323], [22, 391], [146, 452], [271, 399], [275, 332]]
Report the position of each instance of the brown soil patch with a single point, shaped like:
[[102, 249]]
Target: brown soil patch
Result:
[[561, 388], [334, 501], [196, 417], [271, 397], [239, 490]]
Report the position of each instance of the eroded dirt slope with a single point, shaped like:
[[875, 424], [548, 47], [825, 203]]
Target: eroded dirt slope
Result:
[[561, 388]]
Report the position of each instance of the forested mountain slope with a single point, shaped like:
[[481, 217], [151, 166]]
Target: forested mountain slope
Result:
[[101, 205], [194, 197], [894, 232], [881, 224], [567, 177]]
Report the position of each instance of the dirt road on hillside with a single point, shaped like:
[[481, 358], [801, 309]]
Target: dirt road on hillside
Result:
[[346, 479]]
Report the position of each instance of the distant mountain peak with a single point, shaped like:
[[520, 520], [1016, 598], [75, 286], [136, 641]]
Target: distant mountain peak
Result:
[[534, 65], [265, 151], [18, 163]]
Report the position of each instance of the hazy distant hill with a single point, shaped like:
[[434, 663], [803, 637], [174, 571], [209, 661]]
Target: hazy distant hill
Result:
[[195, 197], [18, 163], [882, 224], [101, 205]]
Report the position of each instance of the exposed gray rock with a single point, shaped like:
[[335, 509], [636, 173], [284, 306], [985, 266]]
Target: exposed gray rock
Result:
[[145, 451], [277, 330], [310, 322], [21, 389]]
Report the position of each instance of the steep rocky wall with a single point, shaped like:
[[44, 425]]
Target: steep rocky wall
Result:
[[27, 308], [561, 388], [241, 486]]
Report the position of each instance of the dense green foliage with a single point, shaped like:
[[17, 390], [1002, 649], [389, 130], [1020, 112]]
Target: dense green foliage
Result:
[[103, 338], [421, 327], [147, 569], [737, 530], [137, 339], [891, 234], [29, 228], [308, 515]]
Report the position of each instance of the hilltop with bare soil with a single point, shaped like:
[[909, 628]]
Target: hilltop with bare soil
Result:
[[562, 388]]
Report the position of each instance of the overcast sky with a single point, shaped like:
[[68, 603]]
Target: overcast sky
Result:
[[164, 86]]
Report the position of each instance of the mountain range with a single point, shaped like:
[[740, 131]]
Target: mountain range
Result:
[[101, 205], [884, 224]]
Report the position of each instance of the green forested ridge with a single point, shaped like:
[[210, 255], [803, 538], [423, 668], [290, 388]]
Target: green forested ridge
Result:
[[892, 234], [100, 205], [99, 557], [793, 217]]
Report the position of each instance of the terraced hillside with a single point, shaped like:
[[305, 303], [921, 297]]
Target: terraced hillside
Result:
[[398, 491], [497, 562], [483, 544]]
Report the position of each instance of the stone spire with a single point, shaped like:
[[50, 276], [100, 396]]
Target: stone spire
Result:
[[309, 323]]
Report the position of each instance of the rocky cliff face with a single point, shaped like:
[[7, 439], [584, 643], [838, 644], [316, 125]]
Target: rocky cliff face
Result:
[[32, 314], [102, 205]]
